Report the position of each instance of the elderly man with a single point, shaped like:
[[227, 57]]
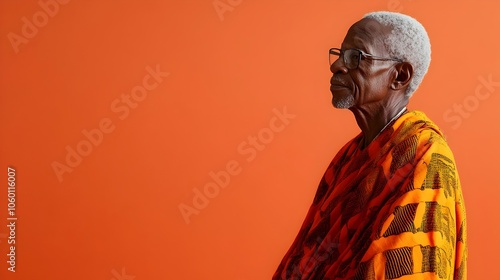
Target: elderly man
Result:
[[389, 205]]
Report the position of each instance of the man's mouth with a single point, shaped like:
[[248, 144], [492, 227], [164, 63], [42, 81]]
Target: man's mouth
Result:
[[335, 83], [337, 86]]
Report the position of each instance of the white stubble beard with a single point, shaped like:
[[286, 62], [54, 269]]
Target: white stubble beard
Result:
[[344, 102]]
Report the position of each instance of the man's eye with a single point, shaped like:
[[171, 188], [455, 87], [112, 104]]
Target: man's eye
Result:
[[354, 56]]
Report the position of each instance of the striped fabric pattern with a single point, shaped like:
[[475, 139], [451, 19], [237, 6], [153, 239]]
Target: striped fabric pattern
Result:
[[393, 210]]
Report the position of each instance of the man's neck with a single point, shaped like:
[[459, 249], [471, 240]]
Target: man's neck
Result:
[[372, 120]]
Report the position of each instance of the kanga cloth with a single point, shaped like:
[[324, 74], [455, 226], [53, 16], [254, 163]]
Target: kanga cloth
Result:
[[393, 210]]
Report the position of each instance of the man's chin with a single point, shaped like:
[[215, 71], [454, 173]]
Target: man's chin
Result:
[[342, 104], [342, 97]]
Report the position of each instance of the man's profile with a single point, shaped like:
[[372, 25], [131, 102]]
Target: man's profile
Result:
[[390, 204]]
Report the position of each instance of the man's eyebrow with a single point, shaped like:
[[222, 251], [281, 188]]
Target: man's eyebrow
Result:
[[359, 46], [359, 41]]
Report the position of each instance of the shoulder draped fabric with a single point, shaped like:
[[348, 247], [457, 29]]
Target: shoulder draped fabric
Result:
[[393, 210]]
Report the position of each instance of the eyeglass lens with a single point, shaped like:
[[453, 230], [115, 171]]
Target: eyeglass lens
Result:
[[351, 57]]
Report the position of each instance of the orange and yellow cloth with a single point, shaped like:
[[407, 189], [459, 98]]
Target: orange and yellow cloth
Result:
[[393, 210]]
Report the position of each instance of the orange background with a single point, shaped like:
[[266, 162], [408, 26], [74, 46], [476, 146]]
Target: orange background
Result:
[[117, 213]]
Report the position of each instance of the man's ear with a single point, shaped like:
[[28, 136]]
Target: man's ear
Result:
[[404, 74]]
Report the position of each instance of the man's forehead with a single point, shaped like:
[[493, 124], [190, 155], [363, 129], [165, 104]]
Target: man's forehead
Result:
[[365, 32]]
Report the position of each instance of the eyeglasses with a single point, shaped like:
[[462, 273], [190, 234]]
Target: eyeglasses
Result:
[[352, 57]]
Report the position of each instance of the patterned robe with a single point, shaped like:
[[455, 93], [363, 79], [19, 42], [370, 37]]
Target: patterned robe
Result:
[[393, 210]]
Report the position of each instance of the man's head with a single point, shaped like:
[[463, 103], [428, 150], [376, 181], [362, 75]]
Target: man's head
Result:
[[394, 57]]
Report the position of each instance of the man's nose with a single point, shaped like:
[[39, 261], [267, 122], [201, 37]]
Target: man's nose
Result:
[[338, 66]]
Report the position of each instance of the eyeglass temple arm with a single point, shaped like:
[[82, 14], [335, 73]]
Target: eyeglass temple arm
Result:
[[381, 58]]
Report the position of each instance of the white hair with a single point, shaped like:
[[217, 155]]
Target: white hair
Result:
[[408, 41]]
